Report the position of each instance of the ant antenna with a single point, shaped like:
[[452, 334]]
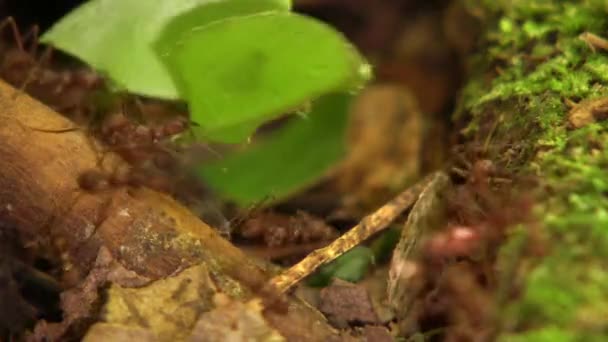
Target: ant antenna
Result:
[[12, 24], [30, 36], [240, 219]]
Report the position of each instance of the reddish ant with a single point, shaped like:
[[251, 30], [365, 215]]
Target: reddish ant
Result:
[[279, 230], [20, 39], [482, 172], [137, 143], [455, 242], [152, 163], [20, 66], [95, 180]]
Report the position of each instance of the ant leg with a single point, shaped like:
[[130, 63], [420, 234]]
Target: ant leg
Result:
[[58, 130], [192, 137], [31, 35], [12, 24], [31, 75], [140, 109], [571, 104], [461, 166], [100, 217], [241, 217]]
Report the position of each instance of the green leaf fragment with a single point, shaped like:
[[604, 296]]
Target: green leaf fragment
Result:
[[116, 36], [350, 266], [286, 161], [385, 243], [215, 10], [240, 72]]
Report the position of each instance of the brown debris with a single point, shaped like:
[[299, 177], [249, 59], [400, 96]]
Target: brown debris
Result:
[[452, 279], [471, 308], [277, 229], [461, 27], [285, 254], [167, 307], [344, 303], [427, 215], [374, 333], [234, 321], [15, 312], [102, 332], [594, 41], [422, 60], [81, 304], [587, 112], [384, 147]]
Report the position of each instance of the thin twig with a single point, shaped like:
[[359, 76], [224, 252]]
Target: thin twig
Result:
[[368, 226], [594, 41]]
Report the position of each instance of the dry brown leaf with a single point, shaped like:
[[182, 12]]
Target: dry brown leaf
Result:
[[588, 111], [385, 140], [234, 321]]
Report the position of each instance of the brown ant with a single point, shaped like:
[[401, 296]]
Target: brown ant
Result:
[[277, 229], [64, 91], [20, 39], [19, 64], [137, 143], [154, 161], [96, 180], [481, 171]]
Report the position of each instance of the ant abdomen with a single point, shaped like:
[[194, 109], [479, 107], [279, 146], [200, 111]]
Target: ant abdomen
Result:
[[93, 181]]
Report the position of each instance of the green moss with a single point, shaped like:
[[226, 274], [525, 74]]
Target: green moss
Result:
[[537, 62], [548, 334]]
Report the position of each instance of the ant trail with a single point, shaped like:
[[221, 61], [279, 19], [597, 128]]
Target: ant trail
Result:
[[140, 110]]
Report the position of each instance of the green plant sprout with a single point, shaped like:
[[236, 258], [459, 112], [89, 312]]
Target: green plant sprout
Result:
[[237, 64]]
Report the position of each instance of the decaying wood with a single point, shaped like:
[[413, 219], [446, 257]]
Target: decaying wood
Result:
[[427, 215], [148, 234]]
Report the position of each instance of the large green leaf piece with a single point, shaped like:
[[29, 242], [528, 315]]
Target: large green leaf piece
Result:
[[240, 72], [286, 161], [116, 36]]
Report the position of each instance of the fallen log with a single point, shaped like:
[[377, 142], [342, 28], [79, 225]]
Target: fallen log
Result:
[[121, 236]]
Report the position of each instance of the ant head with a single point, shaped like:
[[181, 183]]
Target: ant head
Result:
[[21, 64], [93, 180]]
